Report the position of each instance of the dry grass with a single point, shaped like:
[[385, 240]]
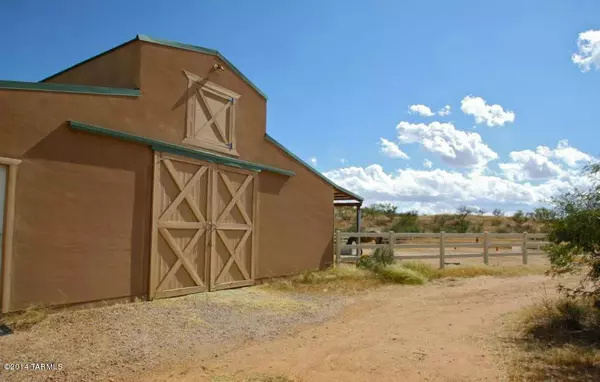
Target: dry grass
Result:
[[557, 340], [254, 378], [348, 278], [345, 278], [473, 271], [25, 319]]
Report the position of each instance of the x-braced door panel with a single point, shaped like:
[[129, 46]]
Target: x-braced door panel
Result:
[[232, 235], [181, 228], [203, 227]]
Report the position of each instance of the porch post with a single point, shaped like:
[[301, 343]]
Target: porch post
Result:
[[358, 213]]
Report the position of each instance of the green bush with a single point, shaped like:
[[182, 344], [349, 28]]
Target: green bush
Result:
[[407, 222], [366, 262], [382, 257]]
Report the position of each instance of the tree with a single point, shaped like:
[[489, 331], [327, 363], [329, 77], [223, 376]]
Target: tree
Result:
[[407, 222], [498, 212], [543, 214], [575, 236], [462, 223], [520, 218], [380, 209]]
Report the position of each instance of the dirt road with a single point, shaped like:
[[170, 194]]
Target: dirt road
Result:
[[439, 332]]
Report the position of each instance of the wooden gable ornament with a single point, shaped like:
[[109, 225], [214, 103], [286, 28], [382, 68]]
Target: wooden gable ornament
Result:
[[210, 116]]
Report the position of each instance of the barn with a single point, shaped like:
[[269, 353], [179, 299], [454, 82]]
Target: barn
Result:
[[147, 171]]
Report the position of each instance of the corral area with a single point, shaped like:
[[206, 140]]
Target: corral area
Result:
[[336, 325]]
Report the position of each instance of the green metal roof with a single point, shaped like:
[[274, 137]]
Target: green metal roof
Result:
[[68, 88], [200, 49], [288, 152], [178, 149]]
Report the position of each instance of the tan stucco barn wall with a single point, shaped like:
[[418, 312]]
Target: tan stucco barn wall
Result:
[[82, 229], [119, 68], [82, 202]]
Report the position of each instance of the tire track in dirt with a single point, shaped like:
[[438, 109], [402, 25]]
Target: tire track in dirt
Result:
[[439, 332]]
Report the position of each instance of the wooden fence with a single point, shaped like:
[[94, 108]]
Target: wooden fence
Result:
[[520, 244]]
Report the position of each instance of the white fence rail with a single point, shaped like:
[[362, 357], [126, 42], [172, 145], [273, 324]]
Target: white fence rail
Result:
[[520, 244]]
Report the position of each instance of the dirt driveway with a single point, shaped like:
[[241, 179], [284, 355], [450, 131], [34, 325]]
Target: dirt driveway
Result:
[[439, 332]]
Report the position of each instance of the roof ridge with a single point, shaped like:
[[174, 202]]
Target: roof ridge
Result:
[[201, 49]]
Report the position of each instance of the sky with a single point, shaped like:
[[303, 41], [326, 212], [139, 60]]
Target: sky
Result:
[[426, 104]]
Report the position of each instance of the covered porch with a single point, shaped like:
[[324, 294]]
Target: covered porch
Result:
[[345, 198]]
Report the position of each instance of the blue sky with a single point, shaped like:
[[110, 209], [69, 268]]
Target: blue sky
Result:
[[341, 75]]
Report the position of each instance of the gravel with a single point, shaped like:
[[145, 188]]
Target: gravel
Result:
[[120, 341]]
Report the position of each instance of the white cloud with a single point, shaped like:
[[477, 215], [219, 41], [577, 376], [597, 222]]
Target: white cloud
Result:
[[390, 149], [427, 163], [422, 110], [571, 156], [434, 191], [527, 165], [491, 115], [313, 161], [455, 147], [342, 160], [444, 111], [544, 162], [588, 55]]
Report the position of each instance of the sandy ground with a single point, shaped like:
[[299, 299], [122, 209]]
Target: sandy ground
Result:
[[445, 331], [120, 342]]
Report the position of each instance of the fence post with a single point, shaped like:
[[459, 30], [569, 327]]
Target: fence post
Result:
[[524, 248], [338, 247], [486, 248], [391, 241], [442, 250]]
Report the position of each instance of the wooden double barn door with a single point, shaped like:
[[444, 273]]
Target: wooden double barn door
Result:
[[203, 235]]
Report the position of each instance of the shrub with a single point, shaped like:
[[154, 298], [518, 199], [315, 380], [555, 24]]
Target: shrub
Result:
[[575, 236], [558, 341], [380, 209], [503, 229], [407, 222], [365, 262], [382, 257]]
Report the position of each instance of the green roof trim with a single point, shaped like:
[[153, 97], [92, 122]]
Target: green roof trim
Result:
[[288, 152], [200, 49], [172, 44], [178, 149], [68, 88]]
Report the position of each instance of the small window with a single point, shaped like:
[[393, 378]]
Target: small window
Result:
[[210, 116]]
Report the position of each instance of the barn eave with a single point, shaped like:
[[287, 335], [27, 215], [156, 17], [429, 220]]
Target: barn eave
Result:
[[68, 88], [340, 193], [178, 149]]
